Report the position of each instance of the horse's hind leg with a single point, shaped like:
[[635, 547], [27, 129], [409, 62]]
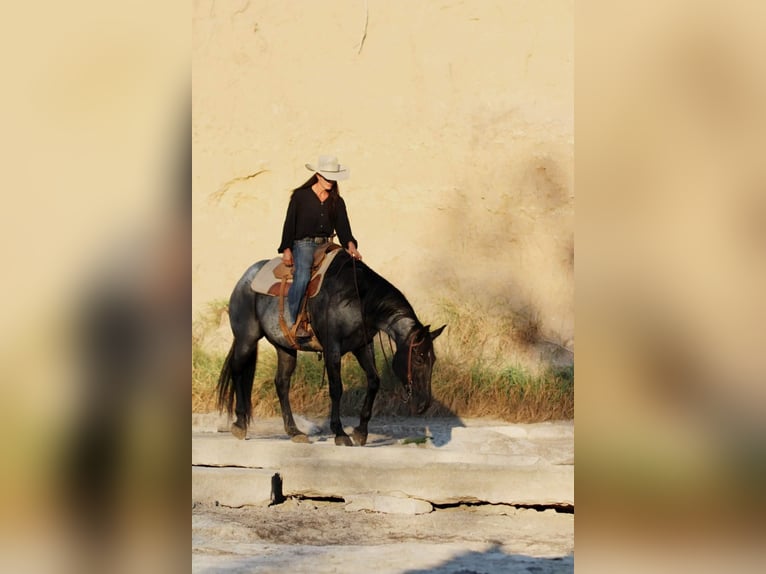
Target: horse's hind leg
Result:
[[286, 361], [366, 357], [243, 370], [247, 330]]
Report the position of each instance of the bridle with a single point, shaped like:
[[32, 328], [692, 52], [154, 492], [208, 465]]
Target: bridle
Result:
[[412, 346]]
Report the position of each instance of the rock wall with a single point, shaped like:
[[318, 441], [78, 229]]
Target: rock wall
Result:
[[456, 119]]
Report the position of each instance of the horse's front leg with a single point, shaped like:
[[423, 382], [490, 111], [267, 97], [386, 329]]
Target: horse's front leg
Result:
[[286, 361], [332, 361], [366, 357]]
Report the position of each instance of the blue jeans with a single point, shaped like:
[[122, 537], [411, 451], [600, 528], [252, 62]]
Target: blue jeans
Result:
[[303, 259]]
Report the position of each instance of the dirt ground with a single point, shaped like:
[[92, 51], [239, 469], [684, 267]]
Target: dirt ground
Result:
[[320, 535]]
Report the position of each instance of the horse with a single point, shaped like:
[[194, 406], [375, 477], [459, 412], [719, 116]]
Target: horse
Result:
[[353, 304]]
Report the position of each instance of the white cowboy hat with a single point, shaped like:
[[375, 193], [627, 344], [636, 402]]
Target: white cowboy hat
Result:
[[329, 168]]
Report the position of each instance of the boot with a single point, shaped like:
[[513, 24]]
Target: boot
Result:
[[302, 335]]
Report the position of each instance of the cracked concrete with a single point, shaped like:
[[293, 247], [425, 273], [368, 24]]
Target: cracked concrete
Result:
[[367, 499]]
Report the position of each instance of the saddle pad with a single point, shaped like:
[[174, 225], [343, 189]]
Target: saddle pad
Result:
[[316, 279], [264, 283], [264, 279]]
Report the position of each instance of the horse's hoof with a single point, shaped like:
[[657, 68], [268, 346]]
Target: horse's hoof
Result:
[[343, 440], [301, 438], [359, 438], [238, 431]]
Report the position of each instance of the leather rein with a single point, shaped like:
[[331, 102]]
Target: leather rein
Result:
[[412, 346]]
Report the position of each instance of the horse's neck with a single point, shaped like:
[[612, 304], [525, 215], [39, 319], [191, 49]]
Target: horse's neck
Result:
[[390, 311], [400, 329]]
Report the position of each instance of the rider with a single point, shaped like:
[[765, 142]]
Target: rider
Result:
[[315, 212]]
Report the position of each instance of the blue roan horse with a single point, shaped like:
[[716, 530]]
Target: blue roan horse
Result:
[[353, 304]]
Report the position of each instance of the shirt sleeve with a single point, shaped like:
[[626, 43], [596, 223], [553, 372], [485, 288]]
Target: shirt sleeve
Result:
[[288, 229], [342, 225]]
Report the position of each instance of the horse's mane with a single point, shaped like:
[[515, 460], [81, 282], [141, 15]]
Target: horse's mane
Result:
[[380, 298]]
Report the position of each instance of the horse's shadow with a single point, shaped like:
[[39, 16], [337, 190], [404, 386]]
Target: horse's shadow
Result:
[[422, 431], [495, 559], [427, 430]]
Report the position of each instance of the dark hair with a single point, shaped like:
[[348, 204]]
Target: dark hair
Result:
[[332, 198]]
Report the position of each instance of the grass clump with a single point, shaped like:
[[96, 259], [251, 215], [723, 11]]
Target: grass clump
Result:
[[511, 393], [205, 370], [485, 367]]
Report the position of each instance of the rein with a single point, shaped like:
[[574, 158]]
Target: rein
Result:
[[361, 311], [326, 311], [412, 344]]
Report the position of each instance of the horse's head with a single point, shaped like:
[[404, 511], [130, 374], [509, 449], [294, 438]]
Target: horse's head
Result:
[[413, 364]]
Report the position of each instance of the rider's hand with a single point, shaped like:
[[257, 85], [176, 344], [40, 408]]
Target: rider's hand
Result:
[[287, 258], [353, 252]]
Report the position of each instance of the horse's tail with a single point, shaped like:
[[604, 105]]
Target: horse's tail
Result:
[[226, 392], [236, 381]]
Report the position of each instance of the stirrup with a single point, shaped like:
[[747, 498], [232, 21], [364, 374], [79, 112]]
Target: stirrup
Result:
[[301, 333], [302, 328]]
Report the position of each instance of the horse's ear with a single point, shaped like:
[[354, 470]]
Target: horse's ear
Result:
[[436, 333]]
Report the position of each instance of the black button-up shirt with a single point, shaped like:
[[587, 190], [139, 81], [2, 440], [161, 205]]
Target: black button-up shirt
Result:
[[309, 217]]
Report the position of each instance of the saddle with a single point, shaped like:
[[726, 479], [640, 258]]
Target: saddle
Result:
[[275, 278]]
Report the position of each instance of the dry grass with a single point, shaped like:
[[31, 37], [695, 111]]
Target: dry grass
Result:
[[482, 370], [495, 362], [511, 394], [205, 370], [526, 328]]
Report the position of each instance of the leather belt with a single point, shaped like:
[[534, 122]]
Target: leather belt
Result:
[[317, 240]]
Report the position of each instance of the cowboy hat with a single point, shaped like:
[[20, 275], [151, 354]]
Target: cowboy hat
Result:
[[329, 168]]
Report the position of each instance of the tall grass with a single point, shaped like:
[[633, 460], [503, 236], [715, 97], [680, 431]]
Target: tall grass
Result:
[[205, 370], [482, 370], [510, 393]]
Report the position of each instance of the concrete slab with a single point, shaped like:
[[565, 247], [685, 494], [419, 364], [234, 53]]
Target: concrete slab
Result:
[[222, 449], [233, 487], [436, 475], [436, 483], [554, 446], [387, 504]]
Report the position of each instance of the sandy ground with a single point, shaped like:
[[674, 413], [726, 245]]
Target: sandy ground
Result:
[[308, 535]]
